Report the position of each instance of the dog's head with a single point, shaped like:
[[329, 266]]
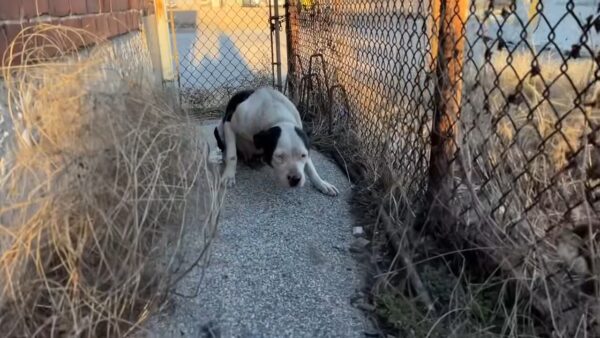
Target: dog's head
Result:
[[285, 148]]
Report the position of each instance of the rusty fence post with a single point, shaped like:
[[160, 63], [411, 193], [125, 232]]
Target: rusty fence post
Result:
[[447, 100], [433, 31], [291, 34]]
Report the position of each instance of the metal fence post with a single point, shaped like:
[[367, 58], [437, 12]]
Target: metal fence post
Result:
[[291, 32], [448, 94], [433, 32], [275, 19]]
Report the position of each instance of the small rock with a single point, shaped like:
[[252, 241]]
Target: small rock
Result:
[[371, 334], [365, 307], [338, 248], [362, 242], [358, 231], [358, 245]]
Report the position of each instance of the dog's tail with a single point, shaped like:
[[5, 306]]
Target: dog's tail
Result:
[[220, 142]]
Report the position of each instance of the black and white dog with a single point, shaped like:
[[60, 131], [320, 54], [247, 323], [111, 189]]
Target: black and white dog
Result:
[[264, 122]]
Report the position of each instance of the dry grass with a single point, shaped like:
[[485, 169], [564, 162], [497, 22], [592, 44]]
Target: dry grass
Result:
[[514, 252], [519, 257], [98, 180], [526, 181], [462, 306]]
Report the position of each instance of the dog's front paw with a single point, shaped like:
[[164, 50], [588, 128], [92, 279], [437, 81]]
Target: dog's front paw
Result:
[[327, 188], [228, 179]]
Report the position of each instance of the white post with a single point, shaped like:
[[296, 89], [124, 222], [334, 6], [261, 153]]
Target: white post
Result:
[[164, 40]]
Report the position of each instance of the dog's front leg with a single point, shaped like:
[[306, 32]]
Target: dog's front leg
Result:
[[324, 187], [230, 155]]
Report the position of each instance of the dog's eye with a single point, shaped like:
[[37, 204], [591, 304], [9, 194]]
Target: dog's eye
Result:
[[303, 155]]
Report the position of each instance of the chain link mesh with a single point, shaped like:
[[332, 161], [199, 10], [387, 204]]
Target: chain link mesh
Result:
[[524, 172], [222, 46], [377, 57]]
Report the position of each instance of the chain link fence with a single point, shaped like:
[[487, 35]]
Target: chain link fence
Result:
[[489, 110], [221, 46]]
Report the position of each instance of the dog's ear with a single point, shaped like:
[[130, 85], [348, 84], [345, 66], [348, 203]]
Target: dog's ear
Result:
[[303, 136], [267, 141], [267, 138]]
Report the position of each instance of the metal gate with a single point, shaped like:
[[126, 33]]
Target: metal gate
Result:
[[222, 46]]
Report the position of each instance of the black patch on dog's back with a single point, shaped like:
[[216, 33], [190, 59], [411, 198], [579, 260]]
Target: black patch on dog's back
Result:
[[235, 100], [267, 141], [303, 136], [220, 142]]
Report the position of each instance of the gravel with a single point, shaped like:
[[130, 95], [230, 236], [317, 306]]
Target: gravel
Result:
[[280, 266]]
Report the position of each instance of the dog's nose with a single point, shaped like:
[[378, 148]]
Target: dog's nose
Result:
[[294, 180]]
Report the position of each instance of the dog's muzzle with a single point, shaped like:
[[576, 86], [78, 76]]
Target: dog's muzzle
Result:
[[294, 180]]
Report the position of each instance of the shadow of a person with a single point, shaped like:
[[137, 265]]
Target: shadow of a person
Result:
[[228, 67]]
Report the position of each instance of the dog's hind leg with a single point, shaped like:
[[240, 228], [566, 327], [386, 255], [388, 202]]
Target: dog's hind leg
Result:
[[248, 153], [220, 143], [323, 186], [230, 155]]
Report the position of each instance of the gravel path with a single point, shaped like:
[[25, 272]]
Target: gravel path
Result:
[[280, 265]]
